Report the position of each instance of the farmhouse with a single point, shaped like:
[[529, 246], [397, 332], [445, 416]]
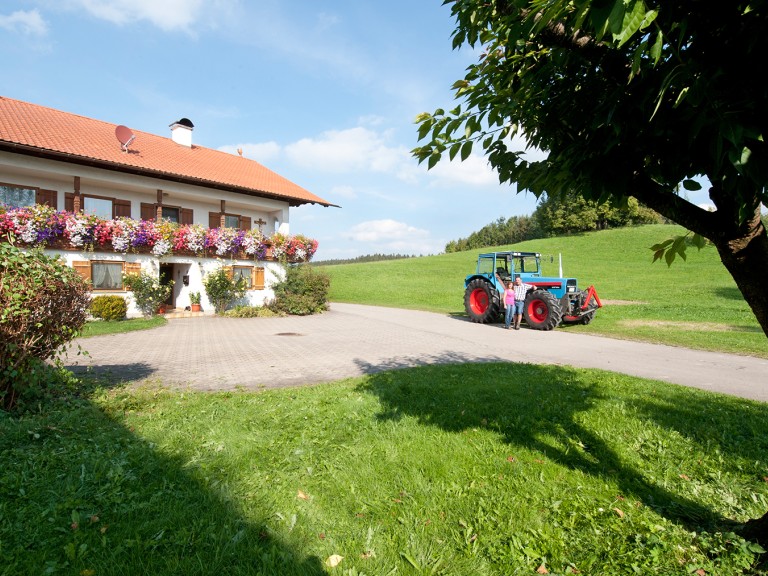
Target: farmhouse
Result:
[[111, 200]]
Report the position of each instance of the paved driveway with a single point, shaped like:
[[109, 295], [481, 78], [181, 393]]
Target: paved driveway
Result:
[[212, 353]]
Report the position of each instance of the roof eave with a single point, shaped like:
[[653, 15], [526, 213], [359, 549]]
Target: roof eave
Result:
[[46, 154]]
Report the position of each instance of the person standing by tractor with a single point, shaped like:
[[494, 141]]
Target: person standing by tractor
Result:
[[509, 304], [521, 289]]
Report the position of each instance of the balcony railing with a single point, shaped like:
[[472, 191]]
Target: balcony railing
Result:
[[41, 225]]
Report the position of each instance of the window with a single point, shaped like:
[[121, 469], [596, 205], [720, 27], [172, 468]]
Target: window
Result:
[[243, 272], [107, 275], [171, 214], [231, 221], [252, 275], [100, 207], [16, 196]]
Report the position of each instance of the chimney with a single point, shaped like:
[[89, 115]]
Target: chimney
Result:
[[181, 132]]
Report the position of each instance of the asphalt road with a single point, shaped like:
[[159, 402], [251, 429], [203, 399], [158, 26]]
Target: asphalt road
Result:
[[212, 353]]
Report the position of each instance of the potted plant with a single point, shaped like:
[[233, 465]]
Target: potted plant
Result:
[[194, 299]]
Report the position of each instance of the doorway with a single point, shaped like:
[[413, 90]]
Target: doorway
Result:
[[166, 277]]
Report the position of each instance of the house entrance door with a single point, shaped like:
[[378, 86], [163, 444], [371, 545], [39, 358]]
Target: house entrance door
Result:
[[166, 276]]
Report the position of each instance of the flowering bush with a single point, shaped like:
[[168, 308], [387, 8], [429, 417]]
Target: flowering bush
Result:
[[42, 225]]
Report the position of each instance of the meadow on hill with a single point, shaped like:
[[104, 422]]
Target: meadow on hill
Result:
[[694, 303]]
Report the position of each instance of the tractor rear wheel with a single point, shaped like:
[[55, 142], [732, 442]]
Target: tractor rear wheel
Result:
[[482, 301], [542, 311]]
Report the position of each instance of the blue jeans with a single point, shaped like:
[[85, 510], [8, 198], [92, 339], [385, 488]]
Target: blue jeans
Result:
[[519, 305], [508, 315]]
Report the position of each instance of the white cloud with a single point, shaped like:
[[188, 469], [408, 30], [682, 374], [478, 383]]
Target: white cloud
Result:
[[474, 171], [391, 236], [352, 150], [263, 152], [29, 23], [165, 14]]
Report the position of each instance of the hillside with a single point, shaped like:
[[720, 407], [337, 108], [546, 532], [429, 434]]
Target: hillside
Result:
[[695, 303]]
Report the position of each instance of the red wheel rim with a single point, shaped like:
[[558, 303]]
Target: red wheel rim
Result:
[[478, 301], [538, 311]]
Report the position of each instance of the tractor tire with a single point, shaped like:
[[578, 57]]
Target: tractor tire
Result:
[[482, 301], [587, 318], [542, 311]]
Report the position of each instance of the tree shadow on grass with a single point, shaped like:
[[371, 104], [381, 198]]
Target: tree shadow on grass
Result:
[[81, 494], [540, 408], [111, 375]]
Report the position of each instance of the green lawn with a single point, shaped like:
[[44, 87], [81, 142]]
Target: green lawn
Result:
[[693, 303], [100, 327], [491, 469]]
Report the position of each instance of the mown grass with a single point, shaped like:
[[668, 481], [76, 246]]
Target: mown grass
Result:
[[693, 303], [492, 469], [102, 327]]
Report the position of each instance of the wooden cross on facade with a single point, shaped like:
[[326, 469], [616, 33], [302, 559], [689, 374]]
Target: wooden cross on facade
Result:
[[261, 223]]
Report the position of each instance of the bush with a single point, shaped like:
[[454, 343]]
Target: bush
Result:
[[222, 290], [303, 291], [43, 305], [109, 307], [148, 292], [251, 312]]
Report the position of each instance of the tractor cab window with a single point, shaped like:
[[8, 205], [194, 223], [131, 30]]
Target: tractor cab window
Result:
[[527, 265], [485, 266]]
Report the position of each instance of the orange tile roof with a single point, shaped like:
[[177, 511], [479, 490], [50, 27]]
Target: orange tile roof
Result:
[[36, 130]]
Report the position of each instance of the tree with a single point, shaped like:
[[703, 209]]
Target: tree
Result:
[[43, 305], [223, 289], [148, 292], [630, 98], [571, 213]]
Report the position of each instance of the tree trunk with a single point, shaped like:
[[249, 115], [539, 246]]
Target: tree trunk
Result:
[[756, 530], [746, 258]]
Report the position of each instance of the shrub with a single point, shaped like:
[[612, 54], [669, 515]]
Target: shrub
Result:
[[109, 307], [43, 305], [303, 291], [251, 312], [222, 289], [148, 293]]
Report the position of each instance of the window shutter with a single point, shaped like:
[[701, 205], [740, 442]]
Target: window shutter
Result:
[[228, 271], [257, 278], [47, 197], [131, 268], [69, 202], [214, 220], [121, 208], [245, 222], [83, 268], [148, 211], [185, 216]]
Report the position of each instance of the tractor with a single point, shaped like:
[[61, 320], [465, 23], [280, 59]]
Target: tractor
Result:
[[551, 302]]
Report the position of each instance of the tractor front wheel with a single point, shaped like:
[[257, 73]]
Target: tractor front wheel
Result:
[[482, 301], [542, 311]]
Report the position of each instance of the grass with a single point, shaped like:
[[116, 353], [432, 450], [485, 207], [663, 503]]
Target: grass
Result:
[[468, 469], [101, 327], [693, 303]]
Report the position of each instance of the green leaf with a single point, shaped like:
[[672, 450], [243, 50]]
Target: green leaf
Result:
[[699, 241], [454, 150], [466, 150], [656, 48], [691, 185], [424, 130], [434, 158]]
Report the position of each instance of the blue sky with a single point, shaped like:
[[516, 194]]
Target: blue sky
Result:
[[324, 93]]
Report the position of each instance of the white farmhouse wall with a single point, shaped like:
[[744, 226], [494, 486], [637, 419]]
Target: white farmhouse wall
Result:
[[194, 267]]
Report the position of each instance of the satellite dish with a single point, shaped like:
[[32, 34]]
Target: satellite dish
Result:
[[125, 136]]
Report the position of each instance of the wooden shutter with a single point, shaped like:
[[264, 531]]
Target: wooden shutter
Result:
[[148, 211], [214, 220], [245, 222], [185, 216], [48, 197], [121, 208], [131, 268], [69, 202], [83, 268], [257, 278]]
